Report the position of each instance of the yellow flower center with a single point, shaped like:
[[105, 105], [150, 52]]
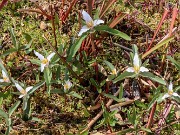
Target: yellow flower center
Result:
[[90, 24], [136, 69], [170, 92], [23, 92], [6, 79], [114, 72], [66, 86], [44, 61]]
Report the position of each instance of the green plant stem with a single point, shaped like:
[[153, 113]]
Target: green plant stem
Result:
[[64, 62]]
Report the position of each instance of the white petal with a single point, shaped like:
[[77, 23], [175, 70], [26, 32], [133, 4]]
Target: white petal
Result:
[[4, 74], [130, 69], [143, 69], [69, 84], [29, 88], [41, 57], [18, 87], [175, 94], [97, 22], [21, 96], [50, 56], [170, 87], [86, 16], [42, 67], [1, 80], [136, 60], [166, 96], [83, 29]]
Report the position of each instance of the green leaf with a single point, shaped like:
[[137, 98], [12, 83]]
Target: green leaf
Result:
[[102, 122], [94, 83], [121, 91], [26, 109], [111, 96], [13, 108], [36, 119], [3, 114], [112, 31], [146, 129], [161, 43], [140, 104], [13, 37], [9, 51], [74, 94], [58, 73], [109, 65], [35, 87], [57, 91], [153, 101], [2, 67], [134, 115], [9, 128], [174, 62], [152, 77], [35, 61], [27, 37], [123, 76], [74, 48], [47, 75]]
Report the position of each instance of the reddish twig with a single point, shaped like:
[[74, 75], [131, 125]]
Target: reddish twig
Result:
[[165, 114], [150, 120], [158, 28], [67, 13], [3, 3]]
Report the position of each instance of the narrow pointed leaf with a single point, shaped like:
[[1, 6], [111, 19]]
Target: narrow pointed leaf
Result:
[[7, 52], [35, 87], [113, 32], [13, 108], [74, 94], [153, 77], [13, 37], [74, 48], [123, 76], [174, 62], [111, 96], [161, 43], [3, 114], [109, 64]]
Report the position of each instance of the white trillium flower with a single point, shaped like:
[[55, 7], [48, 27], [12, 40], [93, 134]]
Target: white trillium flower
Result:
[[23, 91], [89, 23], [44, 61], [5, 77], [170, 92], [137, 67], [67, 85]]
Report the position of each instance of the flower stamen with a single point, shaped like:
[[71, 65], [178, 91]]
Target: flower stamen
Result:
[[90, 24], [44, 61], [6, 79], [170, 92]]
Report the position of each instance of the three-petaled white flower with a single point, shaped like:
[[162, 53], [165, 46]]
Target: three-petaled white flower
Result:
[[170, 92], [89, 23], [23, 91], [44, 61], [67, 85], [5, 77], [137, 67]]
